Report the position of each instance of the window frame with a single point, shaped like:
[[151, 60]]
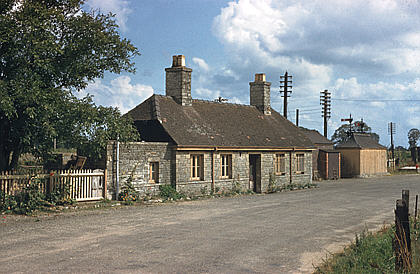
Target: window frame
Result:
[[197, 167], [154, 173], [226, 166], [280, 163], [300, 167]]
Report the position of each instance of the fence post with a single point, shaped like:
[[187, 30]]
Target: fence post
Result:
[[402, 241], [415, 212], [50, 185], [105, 183], [406, 197]]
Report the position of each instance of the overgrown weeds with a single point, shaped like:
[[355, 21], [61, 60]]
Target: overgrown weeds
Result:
[[369, 253], [168, 192], [32, 198], [373, 253]]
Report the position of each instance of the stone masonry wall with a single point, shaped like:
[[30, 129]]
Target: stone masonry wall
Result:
[[135, 158], [175, 169], [240, 171]]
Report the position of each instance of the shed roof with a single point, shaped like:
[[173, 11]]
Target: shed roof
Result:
[[316, 137], [361, 141], [208, 123]]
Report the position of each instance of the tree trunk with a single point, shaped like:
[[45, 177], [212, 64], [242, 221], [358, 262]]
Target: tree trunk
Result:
[[4, 159], [15, 159], [4, 151]]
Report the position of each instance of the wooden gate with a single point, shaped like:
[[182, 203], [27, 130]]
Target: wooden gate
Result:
[[82, 185]]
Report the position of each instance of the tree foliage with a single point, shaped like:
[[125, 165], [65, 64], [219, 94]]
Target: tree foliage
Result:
[[50, 49], [413, 137], [342, 134]]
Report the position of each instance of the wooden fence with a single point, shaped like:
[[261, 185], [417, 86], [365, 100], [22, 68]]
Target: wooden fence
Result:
[[81, 185]]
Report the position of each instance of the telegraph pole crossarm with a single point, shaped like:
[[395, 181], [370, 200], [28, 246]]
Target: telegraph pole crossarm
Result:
[[350, 120], [285, 88], [325, 101], [391, 131]]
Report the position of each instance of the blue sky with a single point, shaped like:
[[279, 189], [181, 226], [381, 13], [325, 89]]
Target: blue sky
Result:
[[368, 51]]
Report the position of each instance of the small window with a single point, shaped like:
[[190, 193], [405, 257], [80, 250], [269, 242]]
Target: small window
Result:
[[280, 164], [226, 166], [154, 172], [300, 163], [197, 167]]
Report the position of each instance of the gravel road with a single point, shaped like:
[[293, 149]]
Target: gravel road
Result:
[[276, 233]]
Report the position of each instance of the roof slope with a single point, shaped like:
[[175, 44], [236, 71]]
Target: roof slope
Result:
[[316, 137], [361, 140], [207, 123]]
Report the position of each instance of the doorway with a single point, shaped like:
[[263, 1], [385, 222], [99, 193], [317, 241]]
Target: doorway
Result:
[[255, 172]]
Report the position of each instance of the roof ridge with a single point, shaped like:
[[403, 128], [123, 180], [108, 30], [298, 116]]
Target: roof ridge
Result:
[[156, 108], [221, 103]]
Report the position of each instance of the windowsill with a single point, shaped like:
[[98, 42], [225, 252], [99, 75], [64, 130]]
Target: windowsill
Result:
[[280, 174], [300, 172]]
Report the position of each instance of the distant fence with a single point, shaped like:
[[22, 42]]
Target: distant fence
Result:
[[82, 185]]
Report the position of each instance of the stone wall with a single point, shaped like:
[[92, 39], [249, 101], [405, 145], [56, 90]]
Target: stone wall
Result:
[[240, 171], [135, 158], [239, 178], [175, 169]]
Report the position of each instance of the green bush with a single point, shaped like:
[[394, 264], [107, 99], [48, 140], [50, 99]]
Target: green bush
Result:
[[60, 196], [129, 194], [168, 192], [27, 200]]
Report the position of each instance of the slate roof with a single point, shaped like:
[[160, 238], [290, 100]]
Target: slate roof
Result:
[[207, 123], [361, 141], [316, 137]]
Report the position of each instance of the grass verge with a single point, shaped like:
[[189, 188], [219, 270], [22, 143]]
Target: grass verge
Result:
[[371, 253]]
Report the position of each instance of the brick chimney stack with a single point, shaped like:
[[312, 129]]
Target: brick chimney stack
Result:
[[260, 93], [178, 81]]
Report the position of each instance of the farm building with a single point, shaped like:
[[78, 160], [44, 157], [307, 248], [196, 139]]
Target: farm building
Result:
[[362, 156], [203, 146]]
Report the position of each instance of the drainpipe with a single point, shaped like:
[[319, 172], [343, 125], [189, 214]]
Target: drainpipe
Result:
[[117, 181], [212, 170], [290, 166]]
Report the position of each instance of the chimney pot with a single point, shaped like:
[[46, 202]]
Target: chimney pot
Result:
[[178, 61], [260, 77]]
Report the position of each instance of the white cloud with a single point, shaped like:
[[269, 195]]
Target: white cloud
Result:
[[357, 49], [120, 93], [120, 8], [201, 63], [374, 34]]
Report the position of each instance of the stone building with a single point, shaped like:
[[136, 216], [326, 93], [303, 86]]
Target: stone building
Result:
[[199, 146]]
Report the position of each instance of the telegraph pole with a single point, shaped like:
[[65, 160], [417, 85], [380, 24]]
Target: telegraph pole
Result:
[[297, 117], [391, 131], [284, 88], [325, 101]]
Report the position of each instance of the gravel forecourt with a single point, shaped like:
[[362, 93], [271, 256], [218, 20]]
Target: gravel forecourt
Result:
[[285, 232]]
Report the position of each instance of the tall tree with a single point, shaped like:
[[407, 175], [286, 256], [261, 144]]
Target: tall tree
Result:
[[48, 50], [413, 137], [342, 134]]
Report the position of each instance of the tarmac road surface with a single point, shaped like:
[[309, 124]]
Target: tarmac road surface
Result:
[[285, 232]]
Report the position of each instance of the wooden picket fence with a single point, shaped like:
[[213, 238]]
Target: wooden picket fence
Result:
[[82, 185]]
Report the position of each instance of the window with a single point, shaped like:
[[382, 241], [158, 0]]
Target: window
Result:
[[226, 166], [197, 167], [300, 163], [280, 164], [154, 172]]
